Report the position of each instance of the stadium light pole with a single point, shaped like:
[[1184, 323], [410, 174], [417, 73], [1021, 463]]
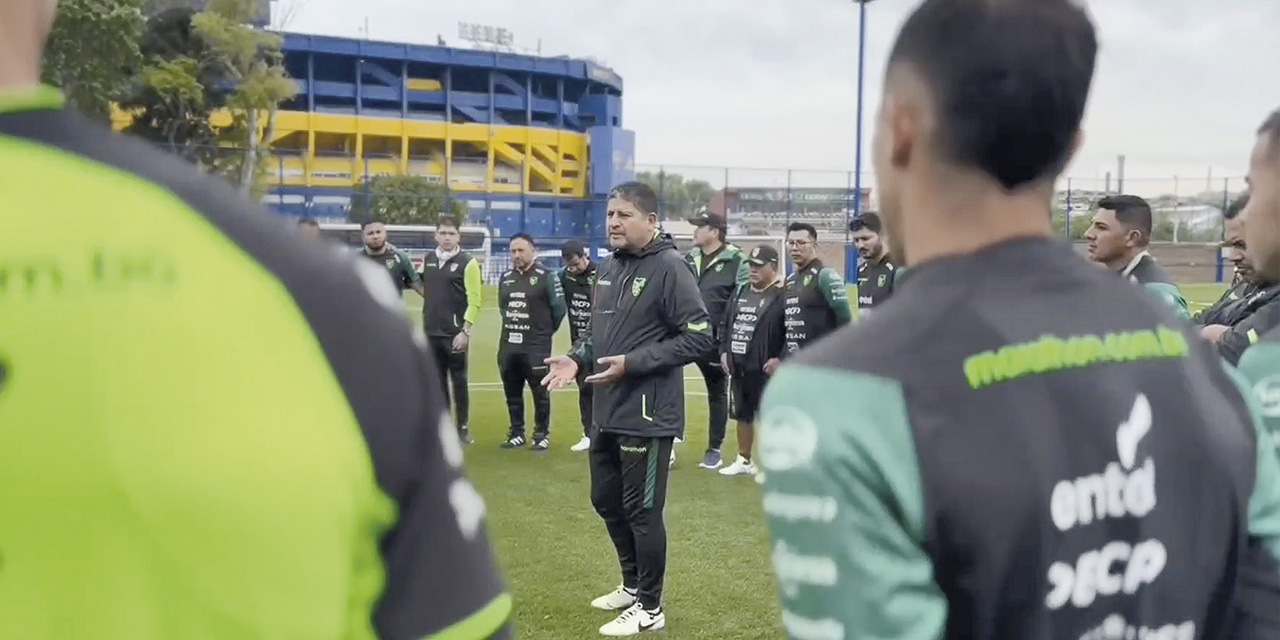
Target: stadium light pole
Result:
[[851, 254]]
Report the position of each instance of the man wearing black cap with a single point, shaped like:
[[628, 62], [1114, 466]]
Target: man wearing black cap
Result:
[[577, 279], [751, 341], [720, 270]]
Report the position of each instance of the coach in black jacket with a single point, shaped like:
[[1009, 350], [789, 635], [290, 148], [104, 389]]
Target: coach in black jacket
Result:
[[648, 323]]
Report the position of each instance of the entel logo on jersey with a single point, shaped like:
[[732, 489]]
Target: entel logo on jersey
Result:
[[788, 439], [1267, 391]]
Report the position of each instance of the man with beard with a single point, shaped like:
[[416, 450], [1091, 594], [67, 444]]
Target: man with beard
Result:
[[1118, 238], [396, 262], [1237, 324], [453, 284], [876, 270], [532, 307], [817, 302], [577, 279], [647, 324], [978, 460]]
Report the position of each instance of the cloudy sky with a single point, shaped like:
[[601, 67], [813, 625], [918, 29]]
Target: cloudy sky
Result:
[[1182, 84]]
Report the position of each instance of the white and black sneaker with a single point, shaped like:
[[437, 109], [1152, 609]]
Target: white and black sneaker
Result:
[[634, 621], [514, 442], [541, 443], [583, 445], [619, 598], [740, 467], [464, 434], [711, 459]]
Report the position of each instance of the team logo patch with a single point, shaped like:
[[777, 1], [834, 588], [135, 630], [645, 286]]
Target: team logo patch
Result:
[[720, 267], [533, 280], [880, 281], [788, 439], [807, 280], [453, 267], [637, 286]]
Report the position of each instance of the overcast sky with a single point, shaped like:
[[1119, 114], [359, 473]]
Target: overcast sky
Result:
[[1181, 85]]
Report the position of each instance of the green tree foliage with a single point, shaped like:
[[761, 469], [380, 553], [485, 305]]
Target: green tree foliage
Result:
[[403, 200], [199, 62], [679, 197], [92, 52]]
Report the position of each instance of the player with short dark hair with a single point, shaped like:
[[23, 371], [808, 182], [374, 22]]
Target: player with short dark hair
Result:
[[647, 324], [720, 270], [752, 337], [1119, 236], [817, 301], [397, 262], [309, 228], [1248, 310], [532, 306], [454, 286], [876, 269], [1226, 310], [1261, 361], [1003, 451], [244, 439], [578, 279]]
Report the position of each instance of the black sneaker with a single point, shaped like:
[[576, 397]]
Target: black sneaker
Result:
[[464, 434], [514, 442], [541, 444]]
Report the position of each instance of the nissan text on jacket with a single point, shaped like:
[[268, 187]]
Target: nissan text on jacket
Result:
[[648, 308]]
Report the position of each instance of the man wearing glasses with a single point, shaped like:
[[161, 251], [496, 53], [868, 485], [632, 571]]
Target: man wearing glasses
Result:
[[817, 302]]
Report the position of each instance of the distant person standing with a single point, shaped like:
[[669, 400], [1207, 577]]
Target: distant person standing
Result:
[[648, 323], [397, 262], [532, 306], [751, 344], [1119, 236], [310, 228], [577, 279], [876, 269], [817, 302], [453, 289], [720, 270]]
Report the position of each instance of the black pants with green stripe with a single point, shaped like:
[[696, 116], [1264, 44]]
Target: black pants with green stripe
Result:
[[628, 490]]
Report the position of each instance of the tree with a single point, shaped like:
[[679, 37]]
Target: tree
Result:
[[198, 63], [252, 64], [93, 51], [678, 197], [403, 200]]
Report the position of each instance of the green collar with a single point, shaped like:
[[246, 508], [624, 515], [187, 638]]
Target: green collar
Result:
[[40, 98]]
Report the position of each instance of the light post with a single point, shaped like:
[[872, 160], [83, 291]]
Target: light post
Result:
[[851, 254]]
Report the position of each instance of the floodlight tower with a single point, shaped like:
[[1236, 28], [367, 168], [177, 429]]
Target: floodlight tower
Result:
[[851, 254]]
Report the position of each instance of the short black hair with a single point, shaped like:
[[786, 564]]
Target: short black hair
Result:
[[572, 249], [308, 222], [803, 226], [1236, 207], [1131, 211], [522, 236], [637, 193], [371, 221], [1010, 79], [1271, 129], [447, 221], [868, 221]]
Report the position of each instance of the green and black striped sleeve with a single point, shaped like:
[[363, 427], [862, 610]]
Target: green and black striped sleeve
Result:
[[845, 503], [836, 295]]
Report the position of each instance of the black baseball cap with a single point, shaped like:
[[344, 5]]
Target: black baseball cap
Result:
[[763, 254], [709, 220]]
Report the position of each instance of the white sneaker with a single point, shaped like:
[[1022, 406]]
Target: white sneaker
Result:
[[583, 444], [679, 441], [740, 467], [634, 621], [619, 598]]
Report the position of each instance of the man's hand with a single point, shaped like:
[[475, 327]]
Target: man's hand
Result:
[[461, 342], [615, 366], [771, 365], [724, 363], [1214, 332], [563, 370]]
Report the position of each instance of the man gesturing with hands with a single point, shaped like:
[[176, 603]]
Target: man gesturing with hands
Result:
[[648, 323]]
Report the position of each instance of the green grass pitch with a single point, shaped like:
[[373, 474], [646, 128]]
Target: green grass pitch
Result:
[[553, 549]]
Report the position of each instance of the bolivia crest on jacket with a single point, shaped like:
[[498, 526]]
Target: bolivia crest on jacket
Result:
[[637, 286]]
